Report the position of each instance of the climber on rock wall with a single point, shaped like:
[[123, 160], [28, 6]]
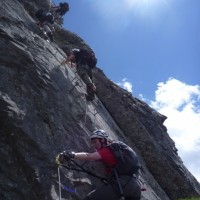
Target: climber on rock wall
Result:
[[84, 61], [46, 22], [61, 10], [120, 161]]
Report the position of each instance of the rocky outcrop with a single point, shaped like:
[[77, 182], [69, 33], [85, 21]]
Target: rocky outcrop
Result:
[[43, 111], [144, 127]]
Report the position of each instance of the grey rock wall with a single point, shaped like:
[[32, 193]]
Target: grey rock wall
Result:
[[43, 112]]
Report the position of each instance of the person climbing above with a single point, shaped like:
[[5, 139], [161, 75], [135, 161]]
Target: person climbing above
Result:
[[60, 10], [46, 21], [120, 161], [84, 61]]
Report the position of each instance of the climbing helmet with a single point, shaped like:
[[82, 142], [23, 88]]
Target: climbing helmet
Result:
[[99, 134]]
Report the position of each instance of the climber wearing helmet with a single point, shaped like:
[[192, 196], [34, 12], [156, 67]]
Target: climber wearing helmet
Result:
[[85, 61], [100, 141]]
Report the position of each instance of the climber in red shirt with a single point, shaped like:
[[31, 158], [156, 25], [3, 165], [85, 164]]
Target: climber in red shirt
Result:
[[126, 182]]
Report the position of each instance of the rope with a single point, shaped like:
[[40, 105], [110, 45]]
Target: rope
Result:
[[59, 182], [120, 186], [86, 108], [81, 169]]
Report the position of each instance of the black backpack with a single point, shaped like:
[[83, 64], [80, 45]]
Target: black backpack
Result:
[[86, 57], [39, 14], [128, 162]]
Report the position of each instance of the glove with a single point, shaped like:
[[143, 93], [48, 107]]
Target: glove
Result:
[[64, 157]]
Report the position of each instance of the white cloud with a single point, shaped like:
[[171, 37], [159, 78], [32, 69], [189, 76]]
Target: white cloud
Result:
[[180, 102], [176, 94], [126, 85]]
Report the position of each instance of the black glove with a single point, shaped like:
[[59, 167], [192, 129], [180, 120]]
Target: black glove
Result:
[[65, 156]]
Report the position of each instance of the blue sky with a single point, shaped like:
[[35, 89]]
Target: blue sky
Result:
[[151, 48]]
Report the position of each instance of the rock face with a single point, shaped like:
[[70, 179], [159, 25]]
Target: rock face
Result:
[[43, 111]]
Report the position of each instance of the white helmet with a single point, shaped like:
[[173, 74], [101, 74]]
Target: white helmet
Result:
[[75, 50], [99, 134]]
